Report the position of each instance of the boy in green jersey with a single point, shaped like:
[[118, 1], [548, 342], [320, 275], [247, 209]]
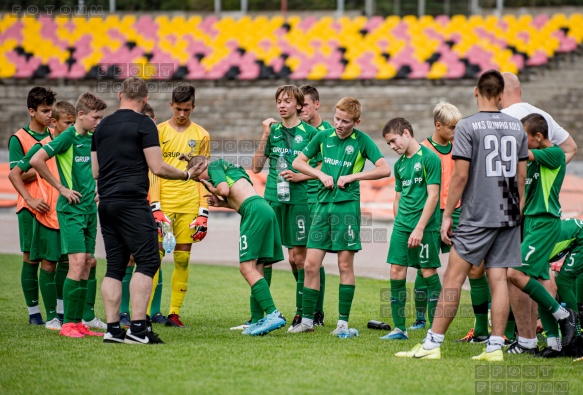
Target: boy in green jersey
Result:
[[76, 207], [40, 102], [259, 241], [336, 224], [415, 239], [311, 115], [287, 139], [542, 224]]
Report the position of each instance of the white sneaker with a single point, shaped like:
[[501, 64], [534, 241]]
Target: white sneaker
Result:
[[339, 329], [301, 327], [95, 323], [54, 324]]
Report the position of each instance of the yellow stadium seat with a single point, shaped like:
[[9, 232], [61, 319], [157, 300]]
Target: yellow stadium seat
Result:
[[438, 71], [386, 72], [318, 72]]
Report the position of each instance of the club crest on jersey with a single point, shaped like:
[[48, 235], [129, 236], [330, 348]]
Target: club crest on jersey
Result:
[[417, 166], [298, 139], [349, 150], [191, 143]]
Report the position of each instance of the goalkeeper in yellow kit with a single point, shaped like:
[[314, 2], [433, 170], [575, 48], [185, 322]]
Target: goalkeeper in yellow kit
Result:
[[180, 201]]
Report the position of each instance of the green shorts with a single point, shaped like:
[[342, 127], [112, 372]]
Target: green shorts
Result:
[[573, 264], [455, 216], [336, 227], [46, 243], [293, 222], [259, 232], [78, 232], [25, 221], [425, 256], [538, 241]]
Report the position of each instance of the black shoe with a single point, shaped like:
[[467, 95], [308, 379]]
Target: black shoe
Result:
[[158, 318], [61, 318], [548, 352], [319, 318], [568, 327], [516, 348], [143, 337], [35, 319], [297, 320], [580, 314], [124, 320], [119, 337]]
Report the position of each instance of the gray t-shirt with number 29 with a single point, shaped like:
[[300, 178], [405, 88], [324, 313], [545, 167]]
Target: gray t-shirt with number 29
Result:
[[493, 143]]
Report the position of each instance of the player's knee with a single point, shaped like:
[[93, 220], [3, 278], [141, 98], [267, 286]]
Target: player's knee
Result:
[[147, 267], [398, 271], [181, 259], [115, 271]]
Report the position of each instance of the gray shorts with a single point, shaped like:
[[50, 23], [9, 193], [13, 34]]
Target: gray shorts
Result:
[[497, 247]]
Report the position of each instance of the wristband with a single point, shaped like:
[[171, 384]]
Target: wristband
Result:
[[187, 176], [204, 212], [156, 206]]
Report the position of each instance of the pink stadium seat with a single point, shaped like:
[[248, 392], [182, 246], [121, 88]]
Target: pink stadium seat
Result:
[[207, 26], [306, 24], [443, 20], [419, 70], [196, 71], [146, 27], [77, 71], [540, 20], [373, 23], [538, 59], [367, 67], [13, 32], [58, 69]]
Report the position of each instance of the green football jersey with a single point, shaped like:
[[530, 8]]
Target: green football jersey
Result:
[[544, 178], [73, 152], [221, 170], [313, 185], [289, 142], [571, 234], [341, 157], [24, 163], [15, 151], [412, 176]]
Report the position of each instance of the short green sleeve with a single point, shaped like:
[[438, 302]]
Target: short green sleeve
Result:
[[60, 144], [24, 163], [313, 147], [398, 185], [371, 150], [217, 173], [15, 151], [551, 158]]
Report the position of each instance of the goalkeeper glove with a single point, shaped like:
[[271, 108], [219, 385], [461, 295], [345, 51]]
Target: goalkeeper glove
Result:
[[200, 225], [161, 219]]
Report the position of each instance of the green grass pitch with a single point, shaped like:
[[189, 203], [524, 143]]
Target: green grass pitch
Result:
[[208, 358]]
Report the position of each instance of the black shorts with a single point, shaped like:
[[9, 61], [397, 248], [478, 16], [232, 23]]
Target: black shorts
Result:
[[128, 228]]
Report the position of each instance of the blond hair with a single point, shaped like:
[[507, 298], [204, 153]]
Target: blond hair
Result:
[[351, 106], [88, 102], [446, 113], [62, 108]]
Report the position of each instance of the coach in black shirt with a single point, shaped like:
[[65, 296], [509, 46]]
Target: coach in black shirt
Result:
[[124, 146]]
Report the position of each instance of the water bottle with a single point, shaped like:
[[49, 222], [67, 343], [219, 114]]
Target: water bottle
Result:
[[169, 241], [348, 333], [282, 184]]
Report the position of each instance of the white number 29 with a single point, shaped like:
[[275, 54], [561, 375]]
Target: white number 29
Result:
[[501, 161]]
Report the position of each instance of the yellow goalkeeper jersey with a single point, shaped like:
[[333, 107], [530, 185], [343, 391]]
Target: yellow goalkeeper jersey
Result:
[[178, 196]]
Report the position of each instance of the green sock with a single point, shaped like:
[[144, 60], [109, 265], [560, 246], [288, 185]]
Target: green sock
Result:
[[62, 270], [433, 291], [510, 329], [541, 296], [479, 292], [157, 299], [345, 297], [29, 281], [566, 295], [48, 290], [82, 300], [398, 300], [260, 290], [309, 300], [299, 291], [550, 324], [124, 306], [71, 299], [420, 297], [89, 309], [320, 302], [295, 275], [267, 273], [256, 310]]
